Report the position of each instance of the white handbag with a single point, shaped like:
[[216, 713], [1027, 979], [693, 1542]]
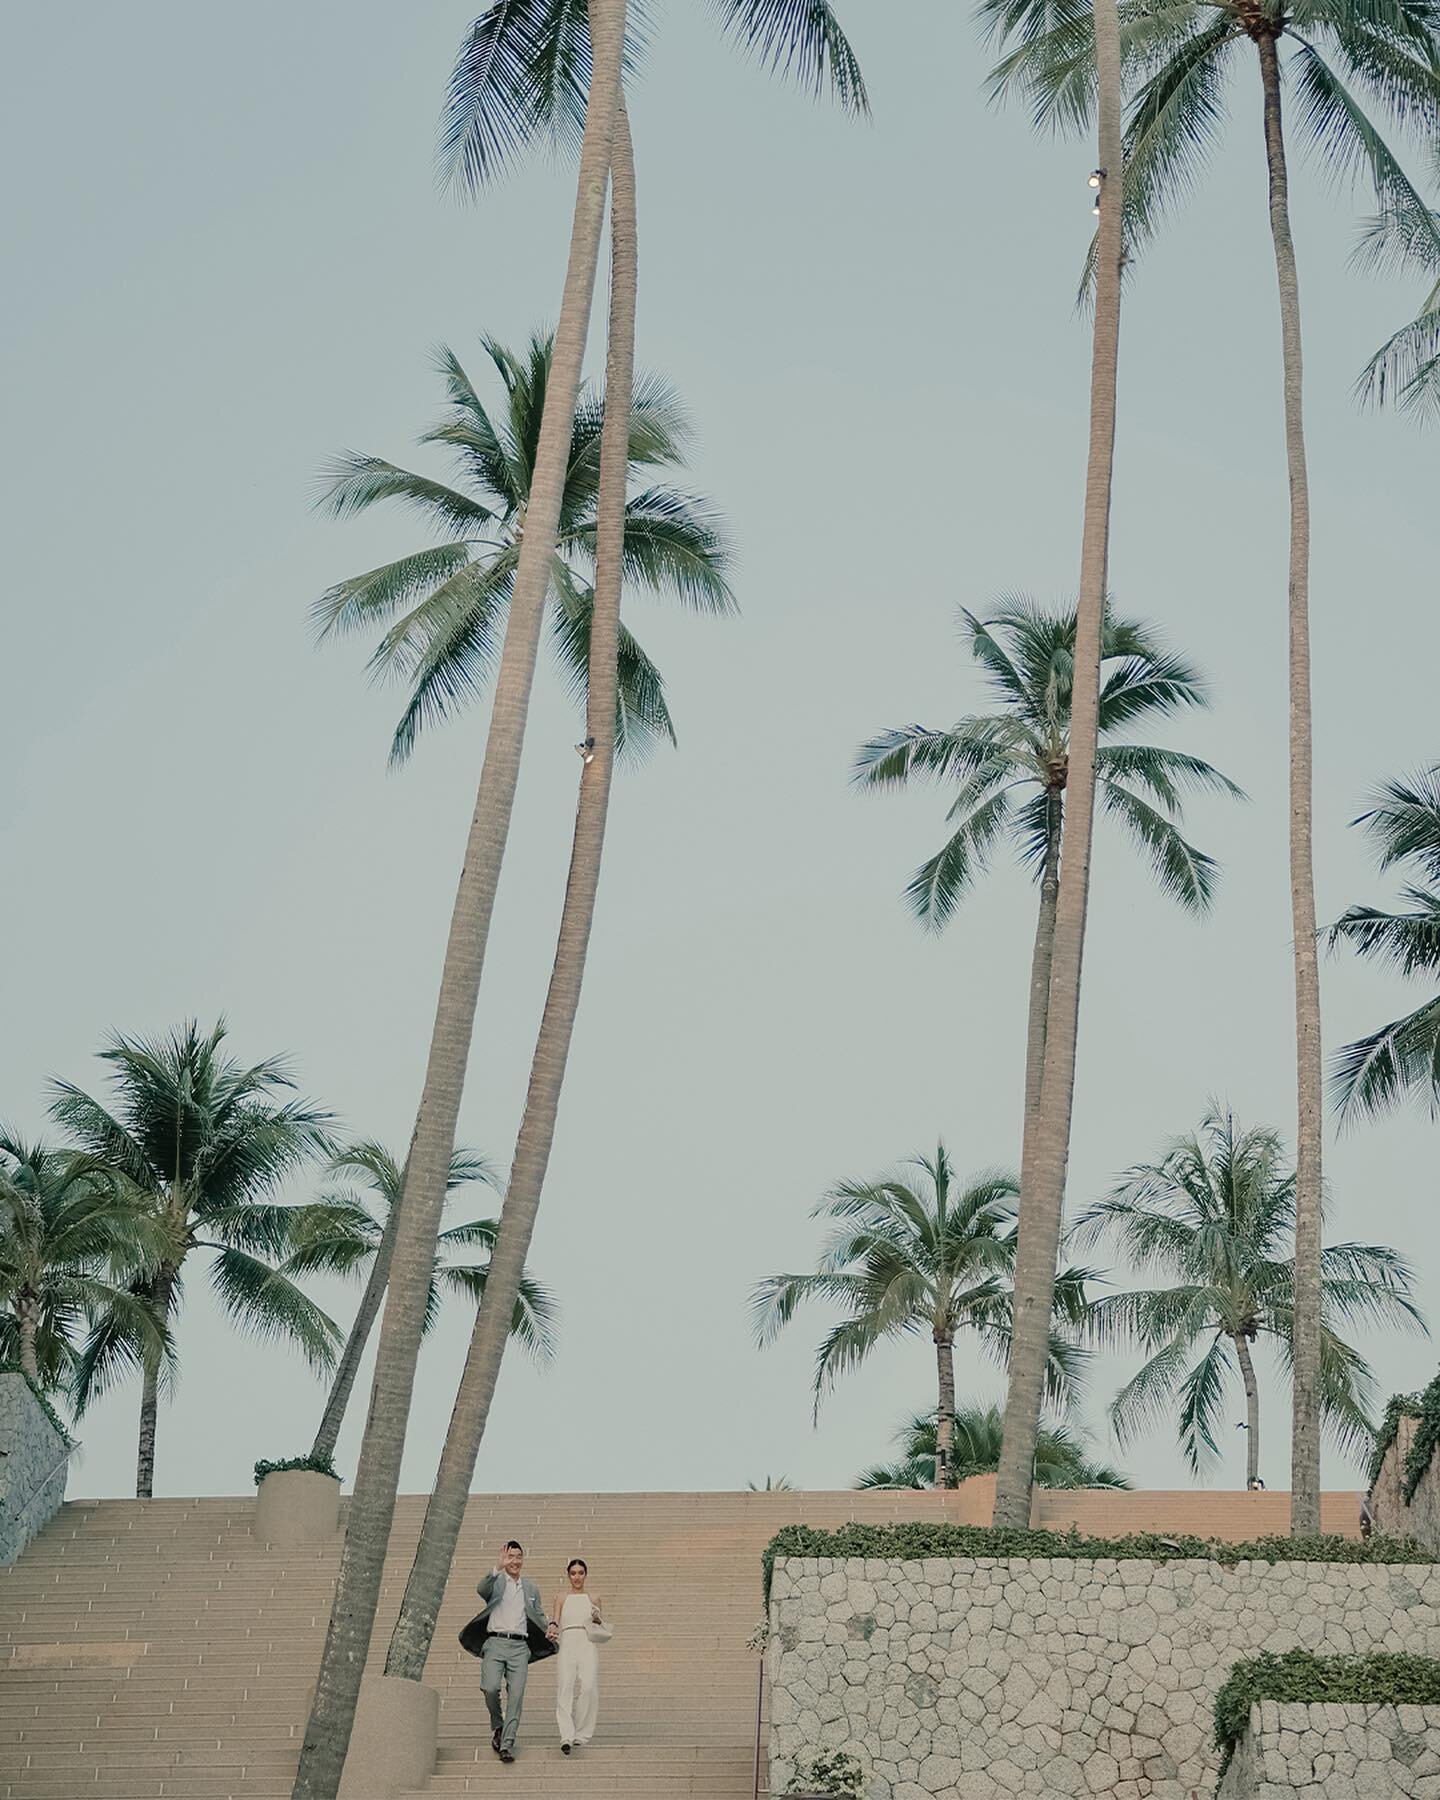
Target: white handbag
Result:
[[599, 1634]]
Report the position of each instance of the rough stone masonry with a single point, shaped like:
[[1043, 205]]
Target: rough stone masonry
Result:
[[979, 1678], [1332, 1752], [33, 1463]]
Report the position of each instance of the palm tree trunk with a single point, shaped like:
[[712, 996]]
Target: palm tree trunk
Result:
[[1252, 1407], [1047, 1143], [945, 1416], [415, 1626], [1305, 1429], [27, 1313], [348, 1367], [1042, 956], [372, 1505], [161, 1295]]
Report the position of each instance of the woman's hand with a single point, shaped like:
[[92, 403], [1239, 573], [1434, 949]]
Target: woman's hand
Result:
[[595, 1618]]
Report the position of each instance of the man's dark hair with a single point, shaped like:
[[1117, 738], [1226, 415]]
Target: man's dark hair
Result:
[[511, 1544]]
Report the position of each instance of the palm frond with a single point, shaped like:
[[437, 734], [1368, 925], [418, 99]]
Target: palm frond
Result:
[[802, 39]]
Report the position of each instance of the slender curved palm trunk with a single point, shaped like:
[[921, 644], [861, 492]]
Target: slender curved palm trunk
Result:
[[1047, 1139], [1042, 956], [415, 1627], [372, 1506], [1252, 1407], [27, 1314], [1305, 1429], [161, 1296], [363, 1324], [945, 1416]]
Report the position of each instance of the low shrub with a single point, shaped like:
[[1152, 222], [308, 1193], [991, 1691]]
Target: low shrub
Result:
[[1298, 1676], [832, 1772], [317, 1465], [915, 1542]]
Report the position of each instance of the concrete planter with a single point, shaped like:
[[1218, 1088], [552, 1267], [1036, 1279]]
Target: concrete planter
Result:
[[295, 1507], [392, 1748]]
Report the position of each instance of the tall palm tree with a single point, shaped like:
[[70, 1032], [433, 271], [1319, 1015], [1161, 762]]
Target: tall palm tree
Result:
[[441, 610], [1401, 1059], [1046, 1151], [71, 1237], [1061, 1458], [204, 1142], [614, 548], [372, 1507], [908, 1257], [1010, 768], [355, 1230], [1214, 1219], [1341, 55], [546, 67]]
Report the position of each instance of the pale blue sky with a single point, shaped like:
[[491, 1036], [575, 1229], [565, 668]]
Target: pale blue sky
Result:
[[229, 260]]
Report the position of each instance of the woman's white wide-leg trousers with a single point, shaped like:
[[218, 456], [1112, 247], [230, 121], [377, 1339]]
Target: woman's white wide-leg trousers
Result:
[[577, 1692]]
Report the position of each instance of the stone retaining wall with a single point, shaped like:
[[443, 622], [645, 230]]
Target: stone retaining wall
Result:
[[978, 1679], [34, 1463], [1336, 1753]]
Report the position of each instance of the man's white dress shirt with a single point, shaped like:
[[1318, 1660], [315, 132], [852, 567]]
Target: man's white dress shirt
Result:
[[508, 1613]]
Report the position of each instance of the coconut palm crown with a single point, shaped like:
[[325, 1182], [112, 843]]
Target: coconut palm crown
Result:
[[1349, 67], [1061, 1458], [350, 1231], [522, 74], [204, 1141], [909, 1257], [1214, 1219], [440, 611], [71, 1238], [1008, 767]]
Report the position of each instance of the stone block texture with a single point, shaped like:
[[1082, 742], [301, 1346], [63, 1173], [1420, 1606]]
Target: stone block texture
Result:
[[980, 1678], [1336, 1753], [34, 1461]]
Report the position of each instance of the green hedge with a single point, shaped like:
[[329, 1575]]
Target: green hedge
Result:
[[317, 1465], [913, 1543], [1402, 1406], [49, 1410], [1297, 1676], [1427, 1436]]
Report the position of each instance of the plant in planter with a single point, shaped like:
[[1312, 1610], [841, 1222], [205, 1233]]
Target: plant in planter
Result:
[[312, 1464], [832, 1772]]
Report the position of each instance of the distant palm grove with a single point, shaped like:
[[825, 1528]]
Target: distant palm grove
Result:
[[547, 498]]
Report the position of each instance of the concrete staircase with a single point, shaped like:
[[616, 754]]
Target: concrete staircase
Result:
[[155, 1650]]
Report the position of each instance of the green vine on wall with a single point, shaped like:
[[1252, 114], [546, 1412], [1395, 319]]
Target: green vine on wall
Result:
[[1427, 1436], [1402, 1406]]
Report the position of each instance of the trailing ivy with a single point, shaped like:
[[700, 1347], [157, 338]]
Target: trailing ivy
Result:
[[1402, 1406], [915, 1542], [46, 1407], [1427, 1436], [1299, 1677], [315, 1465]]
